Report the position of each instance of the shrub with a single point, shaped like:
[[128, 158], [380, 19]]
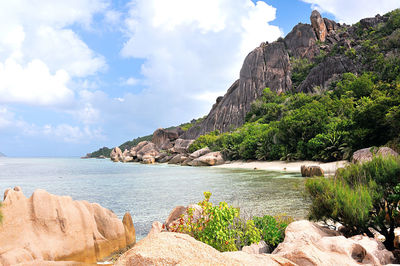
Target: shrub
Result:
[[203, 141], [361, 196], [272, 228], [219, 226]]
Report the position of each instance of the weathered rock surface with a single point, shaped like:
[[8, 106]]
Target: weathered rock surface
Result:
[[309, 244], [163, 138], [210, 159], [365, 155], [47, 227], [148, 159], [266, 66], [182, 145], [116, 154], [167, 248], [301, 42], [318, 24], [173, 219], [309, 171], [199, 153], [149, 149], [257, 248], [177, 159], [327, 71]]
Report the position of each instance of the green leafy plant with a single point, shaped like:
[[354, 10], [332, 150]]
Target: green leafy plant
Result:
[[361, 196], [218, 226], [273, 228]]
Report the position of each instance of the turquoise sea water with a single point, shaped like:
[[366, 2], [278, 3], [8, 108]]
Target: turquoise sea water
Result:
[[150, 192]]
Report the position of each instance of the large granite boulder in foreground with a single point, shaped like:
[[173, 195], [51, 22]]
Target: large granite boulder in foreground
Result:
[[165, 248], [309, 244], [47, 227]]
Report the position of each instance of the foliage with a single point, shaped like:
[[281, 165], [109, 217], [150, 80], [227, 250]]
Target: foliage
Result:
[[204, 141], [219, 226], [105, 151], [300, 69], [272, 228], [360, 197]]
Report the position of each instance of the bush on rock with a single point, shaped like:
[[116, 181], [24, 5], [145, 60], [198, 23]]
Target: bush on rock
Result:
[[360, 197]]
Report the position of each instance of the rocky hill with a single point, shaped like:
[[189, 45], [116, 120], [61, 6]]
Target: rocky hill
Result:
[[2, 155], [276, 65]]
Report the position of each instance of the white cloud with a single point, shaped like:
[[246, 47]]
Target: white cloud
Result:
[[39, 54], [354, 10], [33, 84], [131, 81], [73, 134], [192, 48]]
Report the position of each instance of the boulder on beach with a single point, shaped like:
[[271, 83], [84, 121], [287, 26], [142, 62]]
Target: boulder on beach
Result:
[[46, 227], [210, 159], [199, 153], [307, 243], [366, 155], [166, 248], [116, 154], [310, 171], [177, 159], [148, 159], [182, 145], [148, 149]]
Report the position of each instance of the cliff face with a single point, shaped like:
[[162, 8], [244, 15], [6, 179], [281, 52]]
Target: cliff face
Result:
[[266, 66], [270, 66]]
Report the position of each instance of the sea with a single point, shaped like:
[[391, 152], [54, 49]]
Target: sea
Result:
[[150, 192]]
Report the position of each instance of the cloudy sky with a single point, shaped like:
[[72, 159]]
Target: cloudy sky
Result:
[[76, 75]]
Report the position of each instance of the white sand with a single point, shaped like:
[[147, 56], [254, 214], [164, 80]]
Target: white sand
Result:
[[282, 166]]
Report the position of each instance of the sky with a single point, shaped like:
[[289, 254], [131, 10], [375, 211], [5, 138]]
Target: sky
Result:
[[77, 75]]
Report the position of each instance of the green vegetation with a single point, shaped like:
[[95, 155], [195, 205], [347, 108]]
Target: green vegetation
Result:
[[360, 197], [273, 228], [222, 227], [105, 151], [301, 67]]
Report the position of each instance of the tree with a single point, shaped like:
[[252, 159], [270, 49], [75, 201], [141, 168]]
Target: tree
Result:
[[361, 196]]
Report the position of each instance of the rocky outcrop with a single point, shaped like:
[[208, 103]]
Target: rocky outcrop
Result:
[[327, 71], [309, 244], [365, 155], [257, 248], [164, 139], [47, 227], [116, 154], [309, 171], [318, 24], [266, 66], [301, 42], [165, 248], [199, 153], [210, 159], [182, 145]]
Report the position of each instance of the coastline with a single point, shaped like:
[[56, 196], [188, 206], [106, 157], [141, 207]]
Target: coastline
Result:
[[282, 166]]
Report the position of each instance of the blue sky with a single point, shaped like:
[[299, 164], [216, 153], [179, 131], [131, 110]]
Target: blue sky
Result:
[[76, 75]]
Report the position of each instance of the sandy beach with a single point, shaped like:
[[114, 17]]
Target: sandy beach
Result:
[[282, 166]]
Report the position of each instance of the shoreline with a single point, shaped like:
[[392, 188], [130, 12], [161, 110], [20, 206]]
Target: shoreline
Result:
[[282, 166]]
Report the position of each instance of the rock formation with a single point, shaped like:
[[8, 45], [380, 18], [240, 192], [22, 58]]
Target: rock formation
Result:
[[309, 244], [365, 155], [309, 171], [165, 248], [270, 66], [266, 66], [47, 227]]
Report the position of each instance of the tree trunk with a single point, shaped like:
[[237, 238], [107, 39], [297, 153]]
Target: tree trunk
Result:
[[389, 242]]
